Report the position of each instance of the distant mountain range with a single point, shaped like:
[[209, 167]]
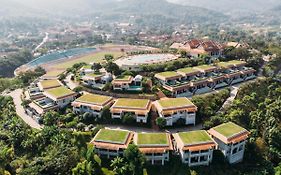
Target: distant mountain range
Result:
[[232, 6], [111, 9]]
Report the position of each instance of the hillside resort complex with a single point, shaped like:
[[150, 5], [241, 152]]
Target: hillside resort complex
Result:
[[126, 97]]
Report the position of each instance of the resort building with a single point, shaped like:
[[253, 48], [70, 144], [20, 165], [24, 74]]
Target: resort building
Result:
[[87, 69], [231, 140], [97, 79], [186, 82], [174, 109], [195, 147], [169, 78], [48, 84], [42, 105], [155, 146], [197, 47], [111, 143], [91, 103], [60, 95], [127, 83], [33, 92], [139, 108]]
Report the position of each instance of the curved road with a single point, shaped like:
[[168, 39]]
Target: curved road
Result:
[[16, 95]]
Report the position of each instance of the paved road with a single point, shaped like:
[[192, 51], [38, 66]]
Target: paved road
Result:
[[16, 95]]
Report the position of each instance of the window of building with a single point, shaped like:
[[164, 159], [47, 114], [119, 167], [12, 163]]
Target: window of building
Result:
[[234, 151]]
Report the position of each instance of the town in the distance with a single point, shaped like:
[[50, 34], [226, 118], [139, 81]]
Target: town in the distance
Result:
[[140, 88]]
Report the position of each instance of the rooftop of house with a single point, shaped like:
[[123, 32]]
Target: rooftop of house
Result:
[[168, 74], [174, 102], [94, 99], [188, 70], [46, 84], [230, 63], [152, 139], [59, 92], [195, 137], [123, 78], [205, 67], [112, 136], [95, 75], [229, 129], [131, 103]]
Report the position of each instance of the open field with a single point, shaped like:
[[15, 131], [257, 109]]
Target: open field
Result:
[[96, 57]]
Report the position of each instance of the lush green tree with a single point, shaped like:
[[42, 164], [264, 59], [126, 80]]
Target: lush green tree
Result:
[[106, 114], [112, 68], [135, 158], [108, 57], [96, 67], [120, 167], [128, 118], [161, 122]]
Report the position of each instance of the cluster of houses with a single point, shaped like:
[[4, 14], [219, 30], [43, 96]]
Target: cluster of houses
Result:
[[171, 109], [194, 147], [46, 95], [186, 82], [98, 80]]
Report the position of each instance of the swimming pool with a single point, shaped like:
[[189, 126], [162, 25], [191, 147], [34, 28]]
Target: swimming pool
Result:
[[65, 54]]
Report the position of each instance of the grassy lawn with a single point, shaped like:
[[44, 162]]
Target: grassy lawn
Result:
[[228, 129], [59, 92], [131, 103], [188, 70], [50, 83], [96, 57], [112, 136], [174, 102], [152, 139], [93, 98], [168, 74], [194, 137]]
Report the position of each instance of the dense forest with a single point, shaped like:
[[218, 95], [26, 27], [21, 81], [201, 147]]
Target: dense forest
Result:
[[9, 63]]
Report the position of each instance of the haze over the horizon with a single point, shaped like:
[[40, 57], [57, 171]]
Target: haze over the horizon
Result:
[[224, 6]]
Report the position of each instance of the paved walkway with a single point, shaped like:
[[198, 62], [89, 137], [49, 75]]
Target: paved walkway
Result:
[[71, 84], [234, 90], [16, 95]]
